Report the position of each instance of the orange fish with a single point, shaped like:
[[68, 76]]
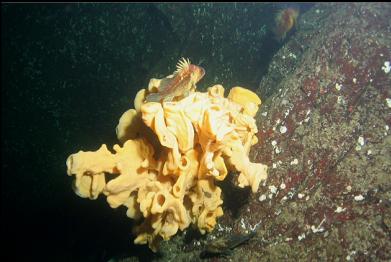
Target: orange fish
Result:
[[178, 84], [284, 22]]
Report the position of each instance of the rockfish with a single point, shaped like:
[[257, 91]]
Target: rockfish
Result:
[[178, 84], [285, 20]]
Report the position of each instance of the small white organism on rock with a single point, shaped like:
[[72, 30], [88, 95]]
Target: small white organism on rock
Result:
[[386, 67]]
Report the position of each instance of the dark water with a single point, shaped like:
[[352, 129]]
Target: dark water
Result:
[[68, 73]]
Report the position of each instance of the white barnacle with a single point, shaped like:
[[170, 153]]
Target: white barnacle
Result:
[[292, 55], [386, 67], [388, 101], [302, 236], [341, 100], [242, 224], [359, 198], [361, 141], [316, 229], [294, 162], [273, 189], [339, 210], [277, 150], [262, 198]]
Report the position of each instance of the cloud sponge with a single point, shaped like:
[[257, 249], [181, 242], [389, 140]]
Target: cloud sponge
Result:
[[172, 154]]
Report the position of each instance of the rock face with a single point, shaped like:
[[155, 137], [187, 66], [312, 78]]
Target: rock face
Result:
[[325, 136]]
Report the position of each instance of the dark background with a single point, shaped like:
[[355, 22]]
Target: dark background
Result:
[[68, 73]]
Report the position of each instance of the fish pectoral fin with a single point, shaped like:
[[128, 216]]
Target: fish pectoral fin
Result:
[[165, 85], [154, 97], [168, 98]]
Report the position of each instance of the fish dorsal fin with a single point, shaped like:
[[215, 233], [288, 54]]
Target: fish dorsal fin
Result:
[[183, 64]]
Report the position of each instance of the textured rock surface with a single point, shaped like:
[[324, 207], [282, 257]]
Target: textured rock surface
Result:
[[335, 156]]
